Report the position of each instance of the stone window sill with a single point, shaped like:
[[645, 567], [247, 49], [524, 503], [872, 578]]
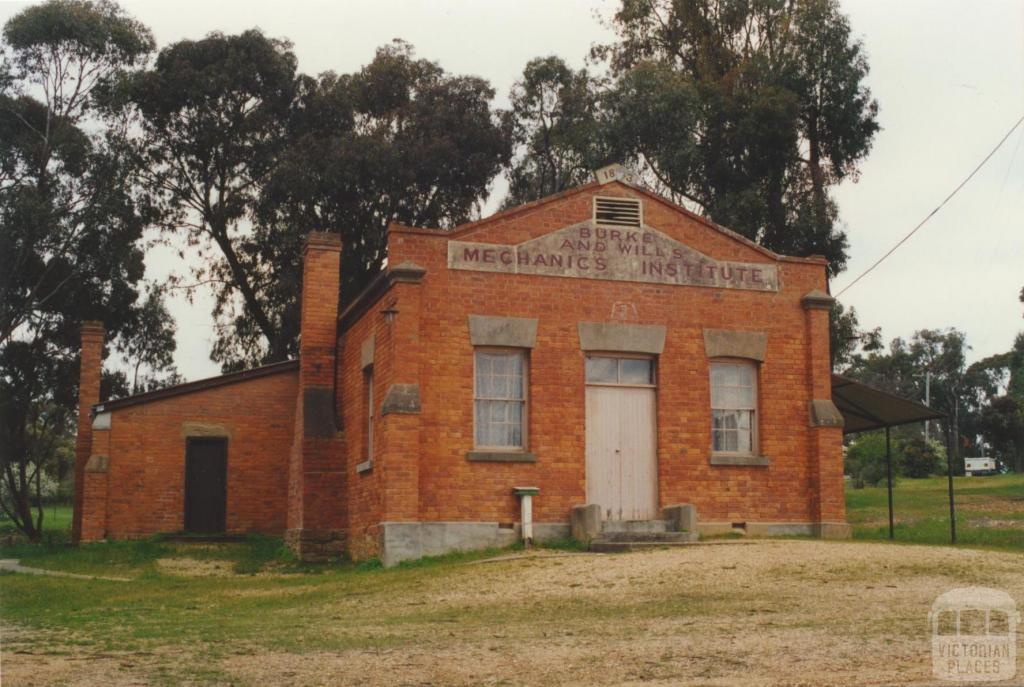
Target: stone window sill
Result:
[[501, 457], [365, 466], [731, 459]]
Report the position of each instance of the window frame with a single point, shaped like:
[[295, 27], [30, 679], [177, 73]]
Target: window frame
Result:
[[622, 356], [755, 420], [525, 420], [369, 417]]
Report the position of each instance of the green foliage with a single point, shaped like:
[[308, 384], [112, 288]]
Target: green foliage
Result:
[[245, 156], [921, 458], [557, 130], [213, 118], [750, 110], [81, 32], [865, 460], [846, 337], [401, 140], [1015, 386], [1002, 423], [942, 354], [70, 226]]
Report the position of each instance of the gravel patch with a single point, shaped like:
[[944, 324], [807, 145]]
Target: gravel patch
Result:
[[785, 613]]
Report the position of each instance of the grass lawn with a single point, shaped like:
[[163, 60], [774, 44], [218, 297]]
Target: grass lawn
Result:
[[733, 613], [56, 524], [990, 511], [730, 613]]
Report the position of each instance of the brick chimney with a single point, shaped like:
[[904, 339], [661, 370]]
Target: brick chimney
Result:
[[91, 360], [316, 466]]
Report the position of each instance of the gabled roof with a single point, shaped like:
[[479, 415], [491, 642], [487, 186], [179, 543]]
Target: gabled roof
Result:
[[198, 385], [463, 230]]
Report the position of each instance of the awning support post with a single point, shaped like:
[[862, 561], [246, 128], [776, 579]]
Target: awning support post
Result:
[[888, 467], [949, 478]]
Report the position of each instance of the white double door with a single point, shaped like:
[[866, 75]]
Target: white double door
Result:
[[622, 464]]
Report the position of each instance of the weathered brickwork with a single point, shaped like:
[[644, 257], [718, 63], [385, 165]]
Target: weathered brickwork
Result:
[[142, 490], [803, 481], [90, 360], [300, 461]]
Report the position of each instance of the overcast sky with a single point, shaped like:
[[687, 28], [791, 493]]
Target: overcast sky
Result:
[[949, 78]]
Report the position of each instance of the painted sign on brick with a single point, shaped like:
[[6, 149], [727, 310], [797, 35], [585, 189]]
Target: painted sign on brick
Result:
[[585, 251]]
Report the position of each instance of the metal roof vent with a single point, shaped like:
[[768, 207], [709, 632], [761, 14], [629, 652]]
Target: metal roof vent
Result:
[[618, 212]]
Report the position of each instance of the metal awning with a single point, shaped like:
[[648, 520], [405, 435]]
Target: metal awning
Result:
[[865, 408]]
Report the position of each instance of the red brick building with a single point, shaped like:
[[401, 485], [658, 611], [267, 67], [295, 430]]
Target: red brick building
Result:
[[603, 346]]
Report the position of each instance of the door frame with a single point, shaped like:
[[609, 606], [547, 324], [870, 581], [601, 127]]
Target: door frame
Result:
[[655, 373], [189, 441]]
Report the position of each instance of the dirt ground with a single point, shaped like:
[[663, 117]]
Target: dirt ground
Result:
[[749, 613]]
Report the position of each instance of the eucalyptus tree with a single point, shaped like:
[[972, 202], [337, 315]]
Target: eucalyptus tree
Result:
[[244, 156], [558, 129], [213, 115], [748, 110], [71, 225]]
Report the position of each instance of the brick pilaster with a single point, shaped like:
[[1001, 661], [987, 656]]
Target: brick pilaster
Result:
[[828, 506], [96, 484], [90, 363], [400, 407], [316, 466]]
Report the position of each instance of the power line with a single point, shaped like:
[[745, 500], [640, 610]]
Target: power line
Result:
[[933, 212]]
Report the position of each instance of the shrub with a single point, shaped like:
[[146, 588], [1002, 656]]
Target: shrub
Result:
[[865, 460], [921, 458]]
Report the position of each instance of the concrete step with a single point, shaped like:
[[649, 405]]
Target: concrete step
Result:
[[604, 546], [635, 526], [641, 537]]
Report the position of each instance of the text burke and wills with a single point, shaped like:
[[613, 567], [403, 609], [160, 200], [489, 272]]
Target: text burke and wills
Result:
[[591, 252]]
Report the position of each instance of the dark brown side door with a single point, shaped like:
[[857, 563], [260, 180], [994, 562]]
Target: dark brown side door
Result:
[[206, 485]]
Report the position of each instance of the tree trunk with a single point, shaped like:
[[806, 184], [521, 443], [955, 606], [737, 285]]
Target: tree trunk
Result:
[[817, 176], [241, 282]]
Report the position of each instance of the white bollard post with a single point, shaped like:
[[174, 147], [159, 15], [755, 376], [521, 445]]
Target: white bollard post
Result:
[[526, 495]]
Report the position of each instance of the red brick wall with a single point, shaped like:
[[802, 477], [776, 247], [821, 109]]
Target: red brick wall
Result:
[[90, 361], [146, 473], [364, 497], [316, 486], [420, 469], [452, 488]]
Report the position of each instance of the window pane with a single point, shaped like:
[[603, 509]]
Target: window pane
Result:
[[724, 373], [636, 371], [743, 441], [514, 436], [745, 397], [724, 419], [516, 383], [725, 397], [733, 403], [500, 398], [602, 370], [724, 440], [499, 375], [499, 423], [746, 375], [719, 374]]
